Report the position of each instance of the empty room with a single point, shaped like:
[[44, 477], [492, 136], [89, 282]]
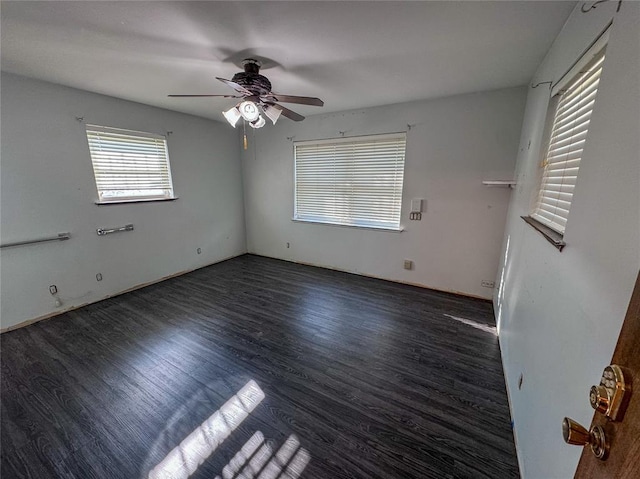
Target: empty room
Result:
[[318, 239]]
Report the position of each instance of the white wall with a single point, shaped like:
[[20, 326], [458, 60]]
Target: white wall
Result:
[[561, 312], [454, 143], [48, 187]]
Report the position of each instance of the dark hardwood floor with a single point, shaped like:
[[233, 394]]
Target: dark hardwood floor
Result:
[[256, 367]]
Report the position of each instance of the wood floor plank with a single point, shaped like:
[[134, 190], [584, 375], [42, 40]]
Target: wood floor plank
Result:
[[370, 379]]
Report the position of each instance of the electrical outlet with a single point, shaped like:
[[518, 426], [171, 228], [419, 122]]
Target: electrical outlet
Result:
[[488, 284], [53, 289], [99, 277], [199, 250], [408, 264]]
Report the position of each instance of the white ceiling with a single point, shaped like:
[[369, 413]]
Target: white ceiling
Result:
[[350, 54]]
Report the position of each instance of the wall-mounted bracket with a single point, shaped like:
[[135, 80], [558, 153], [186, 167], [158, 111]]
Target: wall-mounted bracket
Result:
[[500, 183]]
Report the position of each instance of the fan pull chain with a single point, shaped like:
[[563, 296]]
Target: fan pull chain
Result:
[[244, 138], [255, 150]]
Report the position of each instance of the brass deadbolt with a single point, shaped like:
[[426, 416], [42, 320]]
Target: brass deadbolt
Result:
[[611, 396]]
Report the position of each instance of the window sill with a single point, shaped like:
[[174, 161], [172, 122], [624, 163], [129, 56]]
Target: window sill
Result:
[[373, 228], [153, 200], [552, 236]]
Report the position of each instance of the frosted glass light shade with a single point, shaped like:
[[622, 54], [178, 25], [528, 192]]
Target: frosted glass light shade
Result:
[[232, 116], [249, 111], [259, 123], [273, 113]]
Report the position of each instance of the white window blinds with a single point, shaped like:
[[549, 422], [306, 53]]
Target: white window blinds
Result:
[[129, 165], [568, 135], [350, 181]]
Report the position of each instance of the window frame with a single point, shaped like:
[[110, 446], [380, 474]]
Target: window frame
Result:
[[553, 231], [168, 193], [364, 224]]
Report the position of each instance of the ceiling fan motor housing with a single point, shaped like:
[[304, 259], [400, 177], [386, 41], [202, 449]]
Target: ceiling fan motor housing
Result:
[[251, 79]]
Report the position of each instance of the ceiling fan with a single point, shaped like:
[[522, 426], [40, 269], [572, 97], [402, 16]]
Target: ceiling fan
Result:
[[257, 98]]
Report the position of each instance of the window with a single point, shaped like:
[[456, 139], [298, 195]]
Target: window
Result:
[[129, 165], [574, 100], [350, 181]]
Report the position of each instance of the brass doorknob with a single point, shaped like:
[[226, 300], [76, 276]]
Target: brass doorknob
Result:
[[575, 433]]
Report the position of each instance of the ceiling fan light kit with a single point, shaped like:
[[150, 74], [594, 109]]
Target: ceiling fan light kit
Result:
[[250, 112], [255, 90]]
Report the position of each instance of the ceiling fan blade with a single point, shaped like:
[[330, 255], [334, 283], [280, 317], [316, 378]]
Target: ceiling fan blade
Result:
[[199, 96], [303, 100], [292, 115], [235, 86]]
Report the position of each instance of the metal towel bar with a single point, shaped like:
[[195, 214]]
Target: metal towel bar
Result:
[[108, 231], [58, 237]]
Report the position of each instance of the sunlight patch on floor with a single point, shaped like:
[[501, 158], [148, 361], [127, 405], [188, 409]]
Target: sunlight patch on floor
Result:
[[482, 327], [185, 458], [261, 463]]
